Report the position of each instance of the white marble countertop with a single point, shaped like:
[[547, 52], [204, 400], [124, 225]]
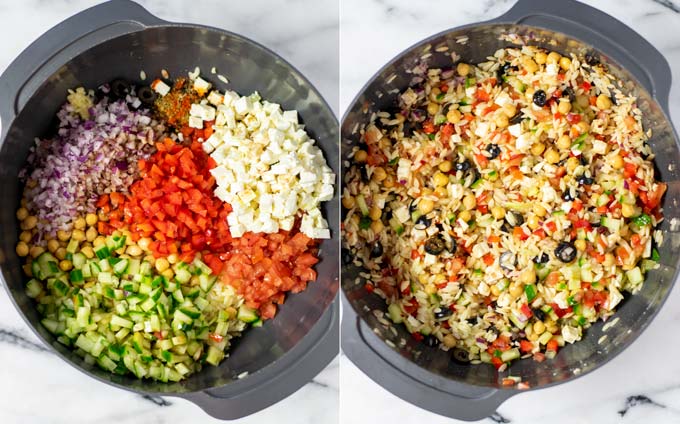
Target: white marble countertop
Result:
[[642, 385], [38, 387]]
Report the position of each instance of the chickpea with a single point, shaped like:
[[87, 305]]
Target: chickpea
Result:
[[360, 156], [580, 245], [150, 258], [379, 174], [617, 162], [87, 251], [25, 236], [440, 180], [27, 270], [52, 245], [495, 290], [389, 182], [564, 106], [537, 149], [445, 166], [551, 156], [565, 63], [63, 235], [432, 108], [498, 212], [78, 235], [539, 327], [347, 202], [541, 58], [553, 58], [80, 224], [583, 127], [173, 258], [91, 234], [100, 240], [22, 249], [102, 216], [502, 121], [425, 206], [564, 142], [603, 102], [608, 259], [572, 164], [516, 290], [144, 243], [377, 226], [36, 251], [463, 69], [532, 337], [539, 210], [449, 341], [22, 213], [375, 213], [168, 273], [60, 253], [90, 219], [466, 216], [65, 265], [469, 201], [528, 276], [29, 223], [627, 210], [453, 116], [441, 192], [533, 222], [162, 264], [530, 65], [134, 250]]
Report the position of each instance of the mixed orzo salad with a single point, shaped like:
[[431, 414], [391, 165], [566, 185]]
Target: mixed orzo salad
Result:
[[501, 209], [139, 258]]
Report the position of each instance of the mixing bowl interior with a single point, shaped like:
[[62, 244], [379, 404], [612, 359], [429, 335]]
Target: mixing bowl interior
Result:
[[179, 49], [474, 44]]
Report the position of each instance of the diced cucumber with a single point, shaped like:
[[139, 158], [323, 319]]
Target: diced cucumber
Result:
[[395, 313], [247, 314], [361, 202], [79, 260], [102, 251], [120, 267], [183, 276], [634, 276], [72, 246], [33, 288], [510, 355]]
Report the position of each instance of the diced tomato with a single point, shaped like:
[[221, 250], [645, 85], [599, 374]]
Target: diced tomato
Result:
[[526, 346], [481, 95], [526, 310], [552, 279], [559, 311], [488, 259], [417, 337], [482, 160], [552, 345], [497, 362], [586, 85], [493, 239], [519, 233], [629, 169], [215, 337], [551, 226], [446, 132], [428, 127]]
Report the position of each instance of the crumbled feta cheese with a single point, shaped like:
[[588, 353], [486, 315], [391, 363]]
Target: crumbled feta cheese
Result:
[[515, 130], [201, 86], [160, 87], [571, 334], [269, 170]]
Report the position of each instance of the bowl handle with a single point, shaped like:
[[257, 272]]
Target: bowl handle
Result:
[[604, 32], [397, 374], [61, 43], [278, 380]]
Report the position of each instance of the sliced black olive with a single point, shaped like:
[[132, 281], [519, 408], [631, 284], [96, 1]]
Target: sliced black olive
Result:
[[463, 166], [505, 227], [493, 150], [583, 180], [431, 341], [514, 219], [418, 115], [146, 95], [582, 160], [413, 206], [519, 116], [471, 178], [346, 256], [565, 252], [443, 313], [435, 245], [569, 195], [408, 128], [461, 355], [507, 261], [423, 221], [364, 173], [376, 250], [592, 59], [538, 313], [541, 259], [472, 321], [120, 88], [503, 71], [540, 98]]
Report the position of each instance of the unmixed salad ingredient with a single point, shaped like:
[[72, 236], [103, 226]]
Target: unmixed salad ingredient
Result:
[[512, 203], [172, 283], [95, 151], [268, 169]]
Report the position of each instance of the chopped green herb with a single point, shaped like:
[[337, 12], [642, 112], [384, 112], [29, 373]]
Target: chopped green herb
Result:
[[365, 222], [440, 119], [440, 96], [642, 220], [430, 136], [571, 301], [530, 291], [655, 255], [469, 82], [394, 161]]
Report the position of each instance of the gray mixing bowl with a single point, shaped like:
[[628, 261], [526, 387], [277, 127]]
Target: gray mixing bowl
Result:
[[426, 376], [118, 39]]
